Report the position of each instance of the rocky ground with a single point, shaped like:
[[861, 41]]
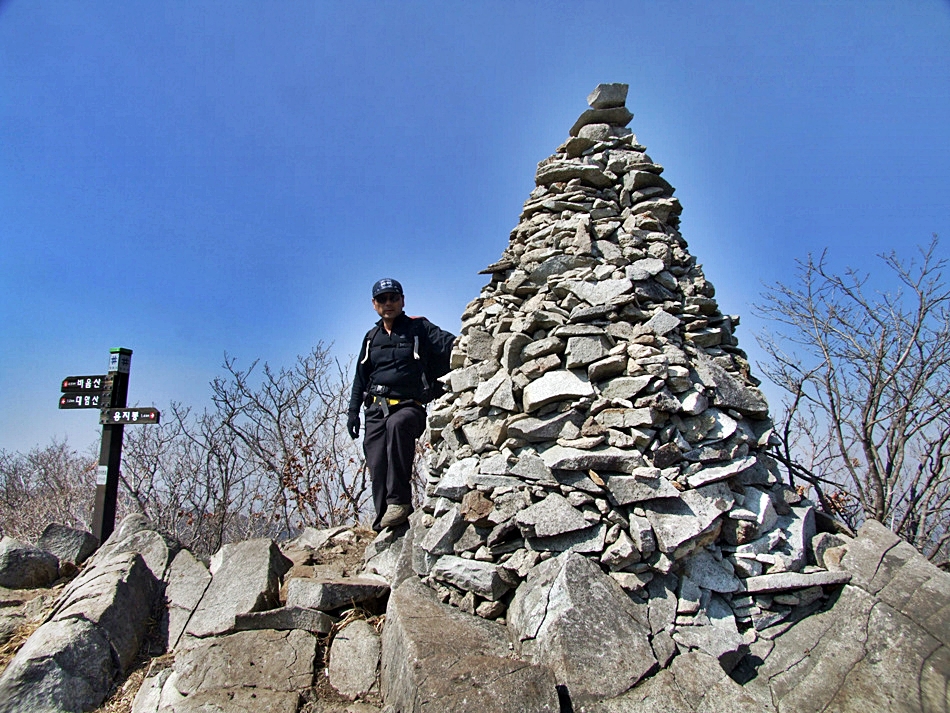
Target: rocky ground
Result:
[[23, 611]]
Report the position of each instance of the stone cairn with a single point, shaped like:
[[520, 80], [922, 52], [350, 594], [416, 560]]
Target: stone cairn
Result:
[[602, 439]]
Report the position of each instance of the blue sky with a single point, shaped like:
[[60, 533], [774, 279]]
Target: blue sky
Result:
[[187, 179]]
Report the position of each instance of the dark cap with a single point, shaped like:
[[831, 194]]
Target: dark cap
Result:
[[387, 284]]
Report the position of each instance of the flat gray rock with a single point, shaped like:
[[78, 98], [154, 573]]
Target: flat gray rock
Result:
[[677, 521], [566, 604], [286, 619], [612, 459], [602, 291], [233, 700], [582, 351], [554, 386], [354, 659], [694, 682], [552, 516], [247, 580], [714, 473], [613, 116], [548, 428], [562, 171], [629, 489], [436, 658], [644, 269], [625, 387], [661, 323], [793, 580], [482, 578], [606, 96], [590, 541], [331, 594], [270, 660], [23, 566], [454, 484], [68, 543], [857, 657]]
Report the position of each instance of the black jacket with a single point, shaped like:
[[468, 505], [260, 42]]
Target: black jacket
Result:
[[403, 363]]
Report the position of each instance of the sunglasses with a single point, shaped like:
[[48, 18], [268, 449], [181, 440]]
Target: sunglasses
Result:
[[387, 297]]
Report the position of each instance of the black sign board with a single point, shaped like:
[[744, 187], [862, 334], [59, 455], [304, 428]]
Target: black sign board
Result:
[[129, 415], [72, 384], [96, 399]]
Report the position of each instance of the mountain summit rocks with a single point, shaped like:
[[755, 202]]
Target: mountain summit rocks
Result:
[[603, 530]]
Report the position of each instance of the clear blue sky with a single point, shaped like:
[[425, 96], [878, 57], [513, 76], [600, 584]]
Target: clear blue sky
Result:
[[187, 179]]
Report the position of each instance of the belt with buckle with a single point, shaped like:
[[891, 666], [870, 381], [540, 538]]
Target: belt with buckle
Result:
[[385, 403]]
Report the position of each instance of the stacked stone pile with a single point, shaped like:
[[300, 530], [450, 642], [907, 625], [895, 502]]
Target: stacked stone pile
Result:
[[601, 444]]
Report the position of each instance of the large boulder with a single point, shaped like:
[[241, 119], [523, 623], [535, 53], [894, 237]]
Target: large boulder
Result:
[[120, 596], [436, 658], [68, 543], [66, 665], [23, 566], [91, 637], [247, 579], [571, 616], [188, 579]]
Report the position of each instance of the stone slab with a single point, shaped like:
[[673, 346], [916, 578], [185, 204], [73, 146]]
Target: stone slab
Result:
[[436, 658], [354, 659], [271, 660]]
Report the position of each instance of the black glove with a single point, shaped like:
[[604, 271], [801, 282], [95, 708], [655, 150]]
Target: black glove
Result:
[[353, 425]]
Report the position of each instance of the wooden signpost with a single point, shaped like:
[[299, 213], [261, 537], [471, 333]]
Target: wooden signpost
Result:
[[108, 393]]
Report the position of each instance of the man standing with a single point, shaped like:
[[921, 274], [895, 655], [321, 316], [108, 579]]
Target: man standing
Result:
[[398, 364]]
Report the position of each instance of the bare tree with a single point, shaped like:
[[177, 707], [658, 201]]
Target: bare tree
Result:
[[293, 425], [270, 457], [190, 478], [867, 418], [50, 484]]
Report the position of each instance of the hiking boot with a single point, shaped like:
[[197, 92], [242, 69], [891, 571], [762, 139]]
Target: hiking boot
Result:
[[395, 515]]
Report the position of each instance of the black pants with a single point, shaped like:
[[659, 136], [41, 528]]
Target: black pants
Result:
[[389, 443]]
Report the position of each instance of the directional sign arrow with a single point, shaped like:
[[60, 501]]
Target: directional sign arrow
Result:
[[83, 400], [84, 383], [130, 415]]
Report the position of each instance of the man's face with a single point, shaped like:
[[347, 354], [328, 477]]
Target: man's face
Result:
[[388, 305]]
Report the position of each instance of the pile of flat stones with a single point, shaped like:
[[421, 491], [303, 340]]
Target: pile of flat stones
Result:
[[601, 419]]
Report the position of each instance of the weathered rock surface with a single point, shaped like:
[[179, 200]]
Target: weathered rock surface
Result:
[[23, 566], [436, 658], [68, 543], [354, 659], [329, 595], [247, 580], [118, 596], [90, 638], [571, 616], [66, 665]]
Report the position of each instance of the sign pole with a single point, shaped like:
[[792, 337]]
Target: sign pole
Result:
[[110, 454]]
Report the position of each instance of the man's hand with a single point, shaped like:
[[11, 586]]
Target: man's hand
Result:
[[353, 425]]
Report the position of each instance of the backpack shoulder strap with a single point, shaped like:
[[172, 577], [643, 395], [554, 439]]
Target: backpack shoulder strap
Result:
[[367, 340]]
